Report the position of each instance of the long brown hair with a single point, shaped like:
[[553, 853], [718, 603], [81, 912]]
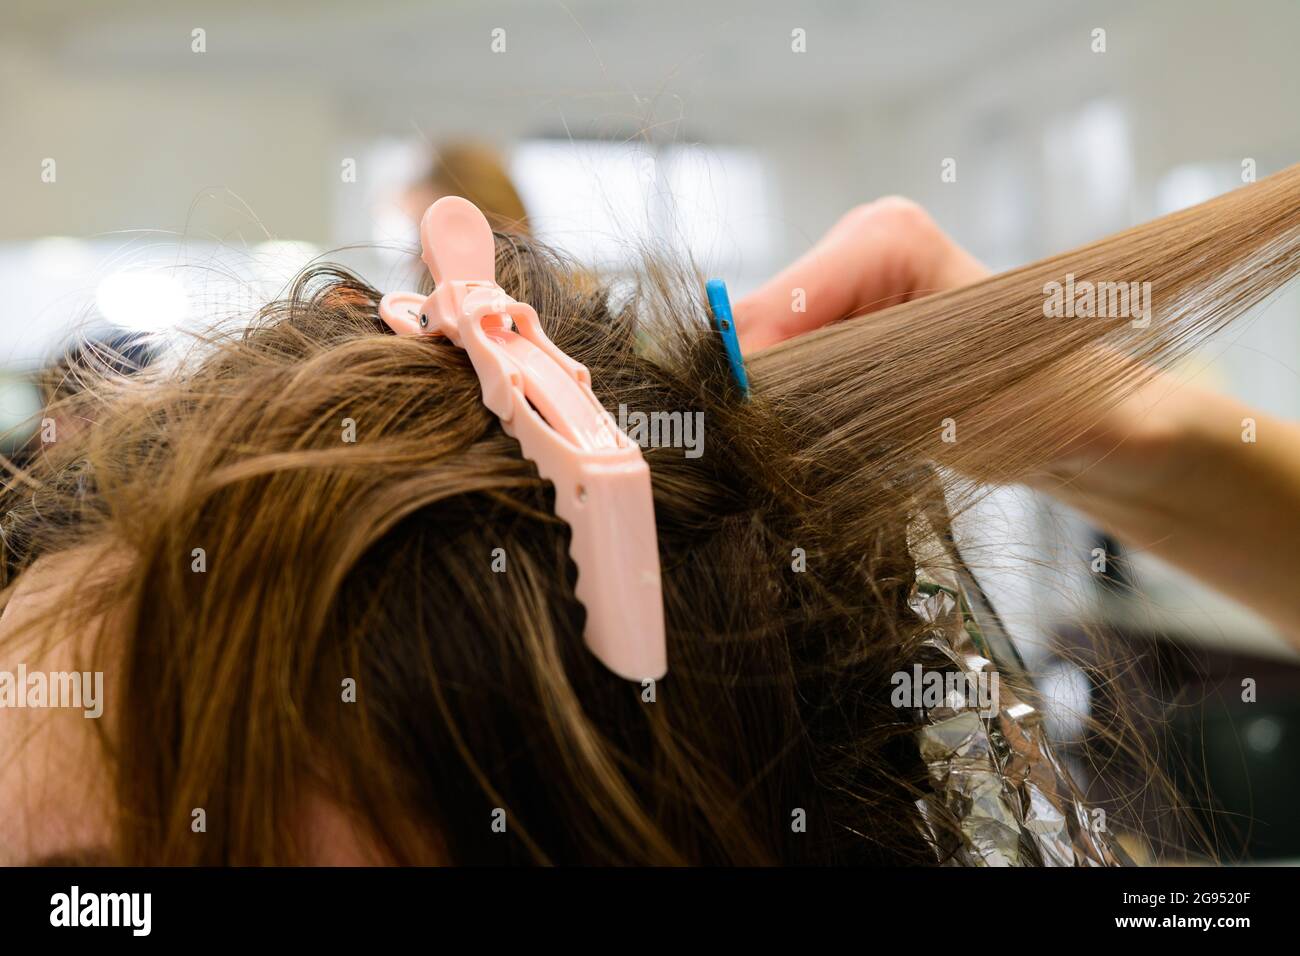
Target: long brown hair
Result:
[[477, 172], [314, 501]]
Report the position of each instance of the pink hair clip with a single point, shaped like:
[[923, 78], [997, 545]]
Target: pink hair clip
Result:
[[544, 400]]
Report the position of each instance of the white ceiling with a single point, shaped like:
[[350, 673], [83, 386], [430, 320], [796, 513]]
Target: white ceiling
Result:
[[393, 54]]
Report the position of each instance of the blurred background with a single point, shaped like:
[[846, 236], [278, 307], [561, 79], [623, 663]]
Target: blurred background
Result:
[[163, 165]]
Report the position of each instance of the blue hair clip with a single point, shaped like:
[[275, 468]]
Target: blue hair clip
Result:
[[720, 305]]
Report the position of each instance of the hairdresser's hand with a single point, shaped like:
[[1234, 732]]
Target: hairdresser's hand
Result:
[[877, 255], [1194, 477], [1166, 471]]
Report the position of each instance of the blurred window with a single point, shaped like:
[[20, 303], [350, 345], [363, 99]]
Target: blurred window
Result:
[[605, 202]]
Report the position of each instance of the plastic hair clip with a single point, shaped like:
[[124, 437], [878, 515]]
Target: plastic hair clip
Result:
[[544, 400], [720, 305]]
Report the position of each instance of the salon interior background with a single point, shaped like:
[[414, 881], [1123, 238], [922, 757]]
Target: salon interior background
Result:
[[232, 162]]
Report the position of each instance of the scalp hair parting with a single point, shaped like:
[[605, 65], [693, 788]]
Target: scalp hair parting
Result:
[[481, 728]]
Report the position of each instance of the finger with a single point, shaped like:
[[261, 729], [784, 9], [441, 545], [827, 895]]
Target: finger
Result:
[[876, 256]]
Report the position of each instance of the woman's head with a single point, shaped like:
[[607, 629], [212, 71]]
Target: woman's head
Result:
[[327, 590], [475, 171], [339, 578]]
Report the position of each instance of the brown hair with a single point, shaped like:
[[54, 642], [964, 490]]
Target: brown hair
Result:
[[329, 559], [477, 172]]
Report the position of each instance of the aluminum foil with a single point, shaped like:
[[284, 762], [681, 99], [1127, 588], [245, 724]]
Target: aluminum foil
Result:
[[992, 768]]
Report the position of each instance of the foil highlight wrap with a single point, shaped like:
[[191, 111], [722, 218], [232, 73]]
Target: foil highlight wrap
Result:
[[991, 766]]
